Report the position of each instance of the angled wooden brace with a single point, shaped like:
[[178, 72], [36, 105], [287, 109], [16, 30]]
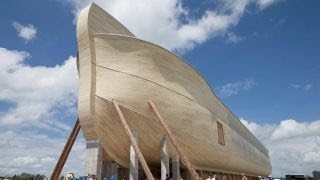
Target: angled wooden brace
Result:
[[134, 144], [65, 152], [172, 137]]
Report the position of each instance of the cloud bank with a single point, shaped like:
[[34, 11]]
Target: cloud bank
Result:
[[32, 133], [35, 93], [32, 152], [294, 146], [171, 24]]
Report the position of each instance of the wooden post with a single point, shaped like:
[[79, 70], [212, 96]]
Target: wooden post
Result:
[[172, 137], [65, 152], [133, 142]]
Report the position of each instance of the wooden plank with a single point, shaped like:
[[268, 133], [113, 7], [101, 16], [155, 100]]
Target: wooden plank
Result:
[[172, 137], [65, 152], [134, 144]]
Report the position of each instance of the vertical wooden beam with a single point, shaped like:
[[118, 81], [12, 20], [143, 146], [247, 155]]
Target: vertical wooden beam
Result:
[[164, 158], [65, 152], [133, 142], [172, 137]]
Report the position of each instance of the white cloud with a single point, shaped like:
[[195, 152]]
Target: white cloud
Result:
[[169, 23], [35, 92], [293, 146], [233, 38], [31, 152], [262, 132], [27, 32], [35, 95], [48, 159], [233, 88], [266, 3], [313, 157], [24, 160], [306, 87], [291, 128]]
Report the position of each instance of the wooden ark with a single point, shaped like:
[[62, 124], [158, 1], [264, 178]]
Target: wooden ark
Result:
[[113, 64]]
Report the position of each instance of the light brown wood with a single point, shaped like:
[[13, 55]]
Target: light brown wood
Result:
[[175, 143], [113, 64], [134, 144], [92, 19], [65, 152]]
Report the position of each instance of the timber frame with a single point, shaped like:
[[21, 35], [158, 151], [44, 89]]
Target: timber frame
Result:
[[67, 148]]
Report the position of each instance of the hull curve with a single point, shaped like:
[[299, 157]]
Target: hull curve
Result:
[[132, 71]]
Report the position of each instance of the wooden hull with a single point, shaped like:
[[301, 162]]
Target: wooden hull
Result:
[[115, 65]]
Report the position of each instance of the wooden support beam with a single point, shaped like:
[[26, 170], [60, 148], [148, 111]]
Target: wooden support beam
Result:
[[134, 144], [172, 137], [65, 152]]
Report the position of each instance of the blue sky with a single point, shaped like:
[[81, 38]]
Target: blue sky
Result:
[[261, 57]]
